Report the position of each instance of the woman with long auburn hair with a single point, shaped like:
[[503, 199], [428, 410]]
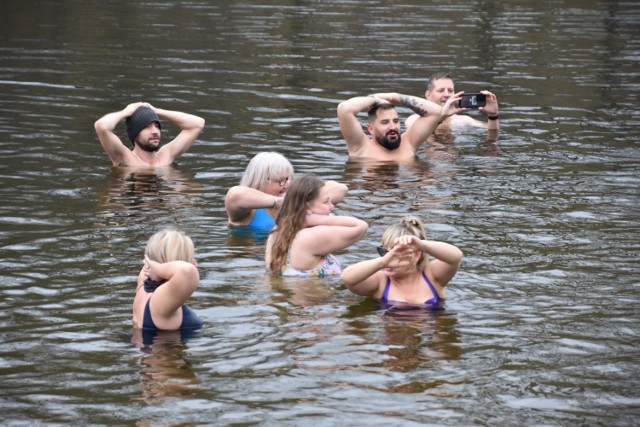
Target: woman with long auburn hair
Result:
[[306, 233]]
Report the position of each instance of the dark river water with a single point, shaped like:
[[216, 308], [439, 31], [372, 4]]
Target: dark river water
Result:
[[541, 326]]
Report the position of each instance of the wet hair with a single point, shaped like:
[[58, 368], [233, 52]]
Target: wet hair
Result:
[[373, 112], [432, 80], [292, 216], [408, 226], [264, 166], [170, 245]]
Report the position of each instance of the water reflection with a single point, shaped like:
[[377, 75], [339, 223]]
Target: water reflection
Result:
[[300, 292], [165, 370], [246, 241], [444, 146], [146, 189], [383, 192], [417, 337], [412, 341], [376, 176]]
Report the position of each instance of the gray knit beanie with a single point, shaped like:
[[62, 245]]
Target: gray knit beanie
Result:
[[139, 120]]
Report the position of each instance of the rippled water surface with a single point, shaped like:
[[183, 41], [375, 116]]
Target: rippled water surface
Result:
[[541, 323]]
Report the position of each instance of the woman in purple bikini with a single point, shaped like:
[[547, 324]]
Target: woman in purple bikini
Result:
[[404, 274]]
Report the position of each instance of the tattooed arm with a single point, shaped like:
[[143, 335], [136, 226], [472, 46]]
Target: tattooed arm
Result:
[[420, 106], [429, 112]]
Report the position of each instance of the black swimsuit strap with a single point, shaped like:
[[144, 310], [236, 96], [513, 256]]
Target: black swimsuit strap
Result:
[[152, 285]]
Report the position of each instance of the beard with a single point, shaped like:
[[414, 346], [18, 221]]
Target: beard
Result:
[[147, 146], [391, 140]]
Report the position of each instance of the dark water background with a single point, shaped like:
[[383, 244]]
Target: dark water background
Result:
[[542, 322]]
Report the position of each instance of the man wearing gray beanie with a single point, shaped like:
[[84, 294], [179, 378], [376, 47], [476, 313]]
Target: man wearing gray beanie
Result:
[[143, 127]]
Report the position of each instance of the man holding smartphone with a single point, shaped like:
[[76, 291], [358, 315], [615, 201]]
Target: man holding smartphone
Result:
[[441, 87], [386, 142]]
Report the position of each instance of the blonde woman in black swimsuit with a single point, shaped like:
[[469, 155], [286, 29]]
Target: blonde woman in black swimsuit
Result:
[[167, 279]]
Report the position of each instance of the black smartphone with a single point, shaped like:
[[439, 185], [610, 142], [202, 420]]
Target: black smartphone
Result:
[[472, 100]]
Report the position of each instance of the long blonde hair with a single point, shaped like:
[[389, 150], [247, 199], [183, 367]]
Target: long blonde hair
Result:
[[170, 245], [408, 226], [291, 217]]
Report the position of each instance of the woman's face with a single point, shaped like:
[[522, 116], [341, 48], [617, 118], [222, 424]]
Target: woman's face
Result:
[[405, 261], [278, 185], [321, 205]]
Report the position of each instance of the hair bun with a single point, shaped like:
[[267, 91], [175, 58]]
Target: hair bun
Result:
[[411, 220]]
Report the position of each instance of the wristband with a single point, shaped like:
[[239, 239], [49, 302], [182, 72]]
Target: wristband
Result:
[[496, 117], [376, 100]]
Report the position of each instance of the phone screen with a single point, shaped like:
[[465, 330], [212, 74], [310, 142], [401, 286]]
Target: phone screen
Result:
[[472, 100]]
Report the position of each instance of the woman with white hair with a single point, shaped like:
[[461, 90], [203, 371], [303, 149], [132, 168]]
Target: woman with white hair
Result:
[[256, 201]]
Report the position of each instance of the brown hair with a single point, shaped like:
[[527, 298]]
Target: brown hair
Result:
[[291, 217], [373, 112], [432, 80]]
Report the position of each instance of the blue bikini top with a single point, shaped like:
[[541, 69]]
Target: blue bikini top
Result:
[[262, 220]]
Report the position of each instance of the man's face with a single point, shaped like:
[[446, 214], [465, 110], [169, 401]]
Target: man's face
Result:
[[149, 138], [443, 89], [385, 130]]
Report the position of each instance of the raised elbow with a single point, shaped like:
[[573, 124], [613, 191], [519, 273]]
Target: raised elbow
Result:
[[189, 274], [457, 256], [99, 126], [344, 108], [363, 227]]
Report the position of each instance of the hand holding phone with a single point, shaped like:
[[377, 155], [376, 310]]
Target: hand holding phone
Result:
[[472, 100]]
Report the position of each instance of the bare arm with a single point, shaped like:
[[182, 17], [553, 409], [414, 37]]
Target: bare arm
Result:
[[366, 278], [337, 191], [182, 279], [491, 108], [363, 278], [410, 121], [240, 200], [447, 257], [420, 106], [105, 127], [350, 126], [448, 109], [447, 260], [190, 126], [325, 234]]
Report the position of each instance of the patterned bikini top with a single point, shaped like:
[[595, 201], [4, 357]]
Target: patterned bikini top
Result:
[[328, 267]]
